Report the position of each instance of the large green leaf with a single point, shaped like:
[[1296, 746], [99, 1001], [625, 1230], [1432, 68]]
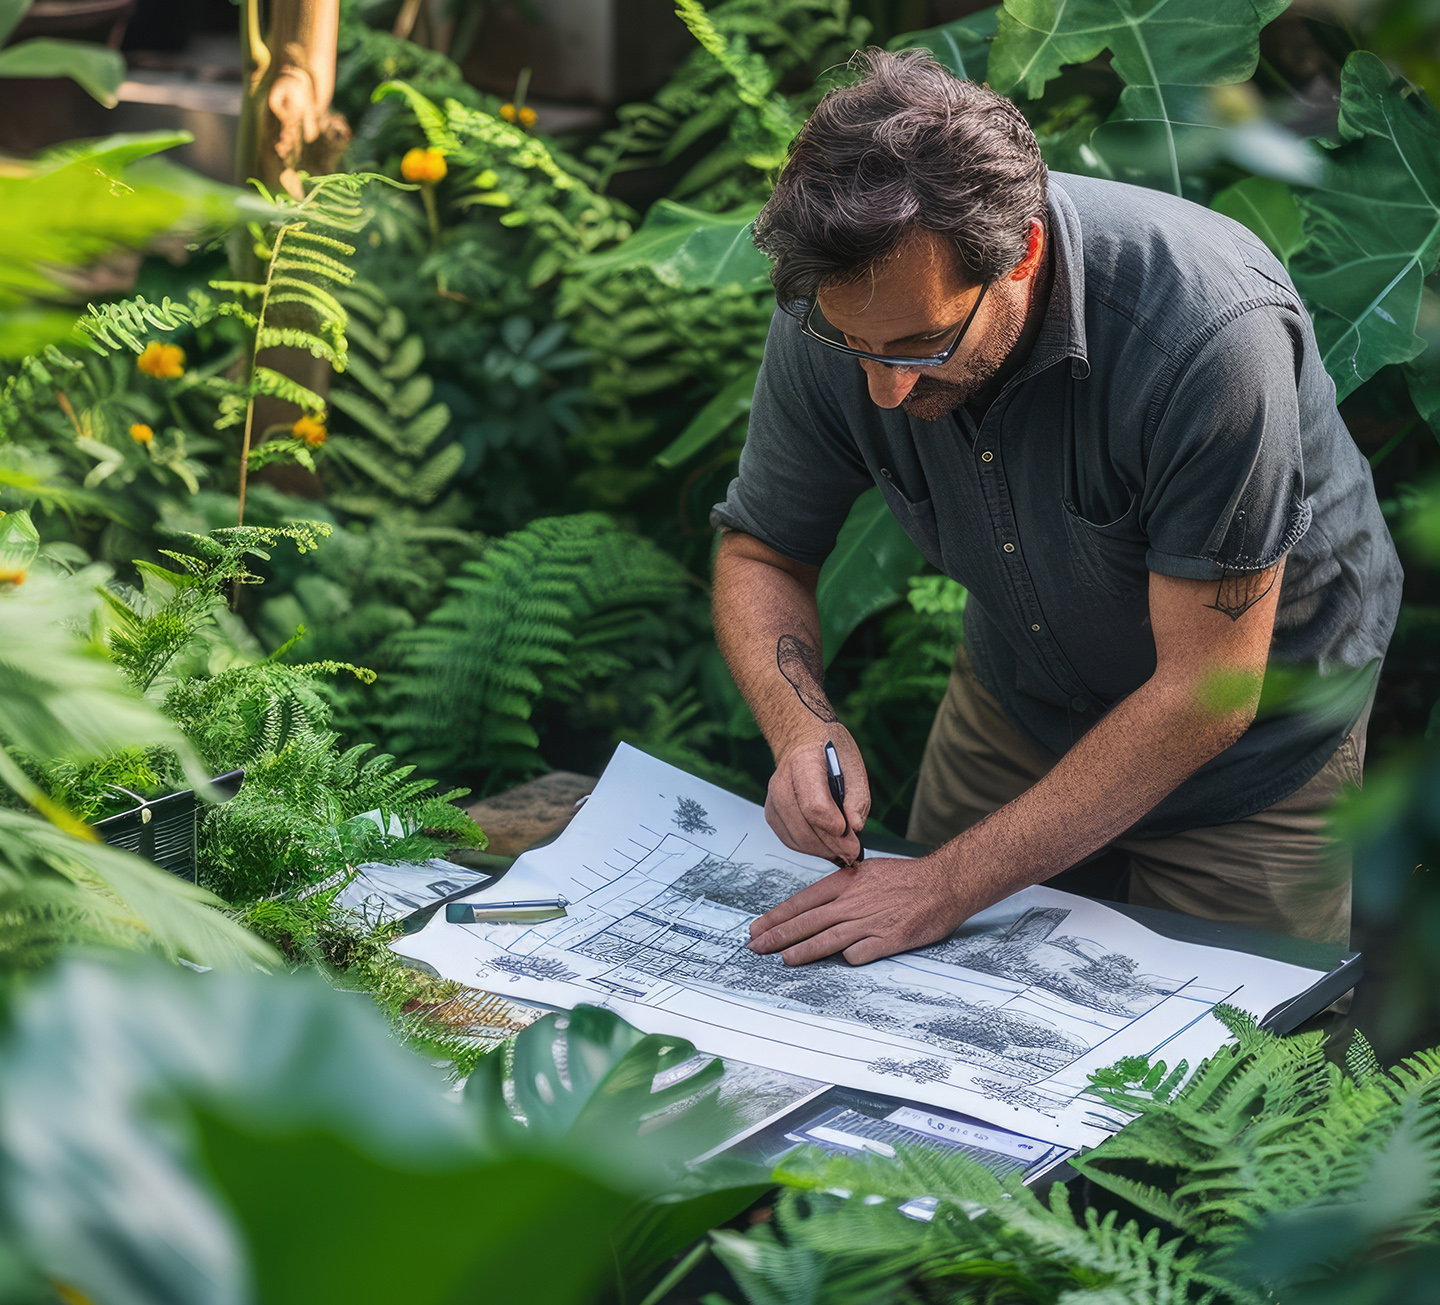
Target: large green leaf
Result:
[[867, 571], [97, 68], [11, 12], [173, 1139], [962, 46], [1269, 209], [1165, 51], [689, 249], [712, 421], [69, 208], [1373, 226], [327, 1231]]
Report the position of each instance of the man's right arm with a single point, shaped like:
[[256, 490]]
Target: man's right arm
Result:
[[768, 628]]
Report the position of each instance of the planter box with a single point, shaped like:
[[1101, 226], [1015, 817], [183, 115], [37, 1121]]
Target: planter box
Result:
[[162, 829]]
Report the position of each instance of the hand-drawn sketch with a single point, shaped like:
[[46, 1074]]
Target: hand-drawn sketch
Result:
[[1003, 1020], [690, 816]]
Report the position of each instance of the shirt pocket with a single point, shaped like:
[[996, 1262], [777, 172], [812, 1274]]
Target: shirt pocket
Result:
[[916, 517], [1109, 556]]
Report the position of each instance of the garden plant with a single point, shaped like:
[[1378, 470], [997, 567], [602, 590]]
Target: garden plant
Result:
[[386, 479]]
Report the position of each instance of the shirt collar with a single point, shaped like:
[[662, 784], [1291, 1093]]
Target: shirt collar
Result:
[[1062, 333]]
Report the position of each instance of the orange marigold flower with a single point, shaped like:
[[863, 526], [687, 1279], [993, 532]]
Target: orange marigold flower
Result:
[[527, 116], [507, 111], [310, 430], [423, 165], [166, 361], [141, 433]]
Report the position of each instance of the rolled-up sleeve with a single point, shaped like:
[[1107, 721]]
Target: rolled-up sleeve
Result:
[[1224, 477], [800, 471]]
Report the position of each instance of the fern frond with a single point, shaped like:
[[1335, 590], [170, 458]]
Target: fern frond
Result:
[[125, 324], [269, 337], [477, 666], [432, 119], [268, 381]]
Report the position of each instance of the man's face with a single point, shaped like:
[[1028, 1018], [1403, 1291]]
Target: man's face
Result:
[[915, 302]]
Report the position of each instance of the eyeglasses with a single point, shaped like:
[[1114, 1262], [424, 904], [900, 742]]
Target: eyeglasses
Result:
[[804, 310]]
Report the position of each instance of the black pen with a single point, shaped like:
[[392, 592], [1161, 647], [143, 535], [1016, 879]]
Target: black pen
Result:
[[836, 778]]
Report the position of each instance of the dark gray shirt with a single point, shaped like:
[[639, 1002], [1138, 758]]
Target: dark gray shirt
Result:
[[1173, 416]]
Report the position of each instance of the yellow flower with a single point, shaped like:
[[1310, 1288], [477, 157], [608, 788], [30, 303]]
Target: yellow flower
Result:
[[527, 116], [423, 165], [141, 433], [507, 111], [166, 361], [310, 430], [12, 576]]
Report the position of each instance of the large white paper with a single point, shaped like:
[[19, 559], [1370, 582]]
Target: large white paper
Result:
[[1003, 1020]]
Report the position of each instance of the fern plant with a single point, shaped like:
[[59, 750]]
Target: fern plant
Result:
[[294, 305], [148, 628], [723, 102], [502, 167], [1266, 1127], [543, 612], [987, 1239], [391, 400], [60, 702]]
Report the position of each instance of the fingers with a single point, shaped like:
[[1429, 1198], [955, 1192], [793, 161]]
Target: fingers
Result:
[[872, 948], [807, 899], [838, 938], [806, 924], [799, 808]]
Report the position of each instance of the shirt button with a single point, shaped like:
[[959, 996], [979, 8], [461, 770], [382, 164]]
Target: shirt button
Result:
[[1036, 628], [1009, 548], [987, 456], [1079, 704]]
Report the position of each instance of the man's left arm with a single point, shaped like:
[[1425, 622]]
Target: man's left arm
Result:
[[1211, 644]]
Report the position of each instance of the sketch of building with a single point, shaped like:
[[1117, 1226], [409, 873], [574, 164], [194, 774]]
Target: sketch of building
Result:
[[1077, 969], [696, 932], [691, 817]]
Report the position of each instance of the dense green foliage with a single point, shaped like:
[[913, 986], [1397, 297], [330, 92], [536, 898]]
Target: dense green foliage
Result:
[[519, 388]]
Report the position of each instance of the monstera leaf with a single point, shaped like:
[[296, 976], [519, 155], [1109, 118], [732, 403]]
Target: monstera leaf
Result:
[[1374, 225], [1166, 52], [1269, 209], [962, 46]]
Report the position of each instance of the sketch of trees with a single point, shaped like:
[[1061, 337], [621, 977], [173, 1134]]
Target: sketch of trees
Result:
[[691, 817]]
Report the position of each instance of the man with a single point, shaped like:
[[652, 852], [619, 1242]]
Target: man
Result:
[[1102, 410]]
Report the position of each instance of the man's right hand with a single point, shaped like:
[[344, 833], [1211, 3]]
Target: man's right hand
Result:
[[799, 806]]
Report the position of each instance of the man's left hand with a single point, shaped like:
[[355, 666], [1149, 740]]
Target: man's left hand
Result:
[[864, 912]]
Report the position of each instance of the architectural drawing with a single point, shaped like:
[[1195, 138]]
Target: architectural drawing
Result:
[[1003, 1020], [1078, 969]]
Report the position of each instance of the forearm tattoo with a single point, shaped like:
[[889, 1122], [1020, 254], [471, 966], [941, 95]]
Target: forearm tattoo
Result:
[[1239, 591], [802, 666]]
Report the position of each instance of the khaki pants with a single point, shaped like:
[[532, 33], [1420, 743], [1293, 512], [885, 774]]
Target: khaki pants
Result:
[[1279, 869]]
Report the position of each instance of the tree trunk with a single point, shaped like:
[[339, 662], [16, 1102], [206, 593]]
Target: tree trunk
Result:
[[287, 125]]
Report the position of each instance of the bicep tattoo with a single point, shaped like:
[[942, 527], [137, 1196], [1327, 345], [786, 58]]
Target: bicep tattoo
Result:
[[1239, 591], [802, 666]]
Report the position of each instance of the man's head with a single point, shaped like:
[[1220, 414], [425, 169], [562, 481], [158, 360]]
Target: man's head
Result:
[[905, 196]]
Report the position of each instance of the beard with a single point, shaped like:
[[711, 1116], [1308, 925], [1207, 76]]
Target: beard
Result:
[[935, 397]]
